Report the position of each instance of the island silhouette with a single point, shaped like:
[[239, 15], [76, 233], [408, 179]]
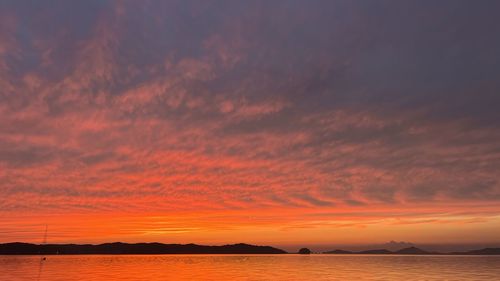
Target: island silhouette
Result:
[[304, 251]]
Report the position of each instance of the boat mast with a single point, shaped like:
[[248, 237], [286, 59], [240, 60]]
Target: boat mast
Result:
[[42, 257]]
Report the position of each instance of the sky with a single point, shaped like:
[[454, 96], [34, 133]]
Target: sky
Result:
[[265, 122]]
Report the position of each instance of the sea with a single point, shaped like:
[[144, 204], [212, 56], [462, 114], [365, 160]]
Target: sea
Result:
[[249, 267]]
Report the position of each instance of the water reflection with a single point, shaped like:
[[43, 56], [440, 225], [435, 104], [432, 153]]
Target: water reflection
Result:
[[250, 267]]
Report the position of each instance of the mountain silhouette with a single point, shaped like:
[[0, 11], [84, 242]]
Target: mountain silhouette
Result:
[[18, 248], [412, 251], [395, 246], [417, 251]]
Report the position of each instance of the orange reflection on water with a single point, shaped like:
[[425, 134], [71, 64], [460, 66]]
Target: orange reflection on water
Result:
[[249, 267]]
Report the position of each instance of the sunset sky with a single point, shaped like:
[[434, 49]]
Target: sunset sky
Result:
[[266, 122]]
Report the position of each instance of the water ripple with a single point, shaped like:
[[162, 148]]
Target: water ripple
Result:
[[250, 267]]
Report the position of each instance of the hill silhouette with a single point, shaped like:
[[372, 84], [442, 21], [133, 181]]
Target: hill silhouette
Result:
[[417, 251], [395, 246], [485, 251], [375, 252], [338, 252], [18, 248], [412, 251]]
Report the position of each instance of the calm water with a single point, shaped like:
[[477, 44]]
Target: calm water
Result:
[[250, 267]]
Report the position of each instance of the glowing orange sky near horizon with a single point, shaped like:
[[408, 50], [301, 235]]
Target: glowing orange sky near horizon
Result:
[[268, 123]]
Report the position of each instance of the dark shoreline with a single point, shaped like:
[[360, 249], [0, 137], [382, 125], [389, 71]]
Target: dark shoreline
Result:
[[117, 248]]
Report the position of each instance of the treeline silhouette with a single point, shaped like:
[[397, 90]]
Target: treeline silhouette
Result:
[[116, 248]]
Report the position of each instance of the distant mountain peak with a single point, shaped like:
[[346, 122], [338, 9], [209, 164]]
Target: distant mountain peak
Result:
[[395, 245], [412, 251]]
